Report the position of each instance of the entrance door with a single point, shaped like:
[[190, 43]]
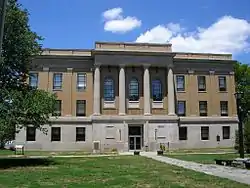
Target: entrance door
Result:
[[135, 137]]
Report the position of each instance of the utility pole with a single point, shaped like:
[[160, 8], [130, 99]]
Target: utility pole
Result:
[[2, 18]]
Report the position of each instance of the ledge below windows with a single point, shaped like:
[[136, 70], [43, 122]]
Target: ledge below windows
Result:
[[108, 104], [157, 104], [133, 104]]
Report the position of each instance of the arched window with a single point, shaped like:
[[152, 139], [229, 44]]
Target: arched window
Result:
[[134, 90], [109, 91], [157, 90]]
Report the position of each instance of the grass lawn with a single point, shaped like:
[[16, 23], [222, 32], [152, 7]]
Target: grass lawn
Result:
[[119, 171], [203, 150], [203, 158], [45, 153]]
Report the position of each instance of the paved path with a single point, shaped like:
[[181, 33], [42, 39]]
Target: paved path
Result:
[[236, 174]]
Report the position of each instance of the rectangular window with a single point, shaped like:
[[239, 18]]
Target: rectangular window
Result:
[[80, 133], [55, 133], [81, 81], [30, 134], [81, 108], [182, 133], [204, 133], [58, 108], [180, 82], [33, 80], [223, 108], [203, 108], [57, 81], [226, 132], [201, 83], [222, 83], [181, 108]]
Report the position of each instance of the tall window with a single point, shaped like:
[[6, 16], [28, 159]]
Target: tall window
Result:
[[81, 108], [180, 82], [223, 108], [182, 133], [204, 133], [134, 90], [222, 83], [58, 108], [157, 90], [80, 133], [55, 133], [201, 83], [81, 81], [109, 89], [57, 81], [203, 108], [30, 134], [226, 132], [33, 80], [181, 108]]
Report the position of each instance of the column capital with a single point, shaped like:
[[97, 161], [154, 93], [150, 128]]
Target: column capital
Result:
[[170, 66], [122, 65], [146, 66], [46, 69], [190, 71], [69, 69], [211, 72]]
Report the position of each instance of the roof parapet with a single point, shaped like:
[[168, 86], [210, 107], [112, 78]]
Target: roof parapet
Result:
[[208, 56], [66, 52], [133, 47]]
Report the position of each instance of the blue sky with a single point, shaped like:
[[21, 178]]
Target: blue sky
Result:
[[216, 26]]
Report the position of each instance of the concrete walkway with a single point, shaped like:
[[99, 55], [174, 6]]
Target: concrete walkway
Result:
[[236, 174]]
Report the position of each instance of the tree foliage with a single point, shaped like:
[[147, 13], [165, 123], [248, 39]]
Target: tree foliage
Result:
[[242, 79], [20, 105]]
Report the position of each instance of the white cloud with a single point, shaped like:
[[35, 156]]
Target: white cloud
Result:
[[226, 35], [116, 23]]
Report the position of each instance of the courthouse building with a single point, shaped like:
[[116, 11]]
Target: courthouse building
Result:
[[135, 96]]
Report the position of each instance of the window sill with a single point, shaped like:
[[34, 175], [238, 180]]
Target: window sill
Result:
[[108, 104], [180, 91], [205, 140], [157, 105], [134, 104], [223, 91], [202, 91], [57, 89]]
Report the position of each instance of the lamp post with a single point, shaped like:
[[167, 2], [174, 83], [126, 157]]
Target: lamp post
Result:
[[2, 18], [238, 96]]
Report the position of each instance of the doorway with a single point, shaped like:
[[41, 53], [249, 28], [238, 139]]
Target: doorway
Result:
[[135, 137]]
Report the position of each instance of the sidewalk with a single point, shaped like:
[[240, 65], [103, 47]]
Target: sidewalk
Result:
[[235, 174]]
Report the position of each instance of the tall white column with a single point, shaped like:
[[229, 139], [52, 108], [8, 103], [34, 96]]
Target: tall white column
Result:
[[146, 91], [97, 91], [122, 91], [171, 98]]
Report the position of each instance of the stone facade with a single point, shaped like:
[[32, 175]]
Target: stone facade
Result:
[[167, 94]]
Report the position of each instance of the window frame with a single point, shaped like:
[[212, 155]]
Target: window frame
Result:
[[226, 136], [78, 102], [183, 135], [221, 88], [80, 137], [205, 128], [32, 77], [59, 86], [156, 88], [178, 103], [135, 95], [59, 111], [226, 108], [109, 89], [205, 113], [177, 77], [200, 80], [81, 85], [55, 137], [30, 137]]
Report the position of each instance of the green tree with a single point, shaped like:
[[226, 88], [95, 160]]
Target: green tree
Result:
[[20, 105], [242, 79], [247, 135]]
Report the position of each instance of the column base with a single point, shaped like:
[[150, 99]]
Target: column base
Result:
[[147, 114], [122, 114], [171, 114], [96, 114]]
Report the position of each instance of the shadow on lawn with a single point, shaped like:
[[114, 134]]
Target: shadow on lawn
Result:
[[25, 162]]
